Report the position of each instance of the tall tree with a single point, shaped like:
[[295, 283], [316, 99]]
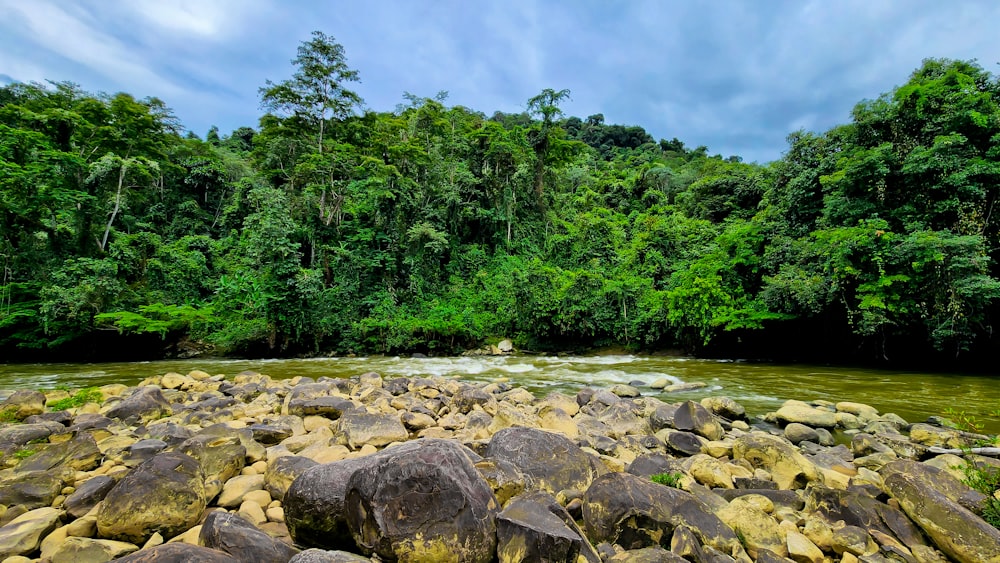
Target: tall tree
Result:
[[317, 91]]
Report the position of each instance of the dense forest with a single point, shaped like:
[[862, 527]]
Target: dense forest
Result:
[[433, 228]]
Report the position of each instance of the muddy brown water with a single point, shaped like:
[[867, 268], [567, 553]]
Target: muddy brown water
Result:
[[760, 387]]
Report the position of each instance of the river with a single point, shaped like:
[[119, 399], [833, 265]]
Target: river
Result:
[[760, 387]]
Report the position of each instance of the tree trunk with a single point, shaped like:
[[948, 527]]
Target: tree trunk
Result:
[[114, 212]]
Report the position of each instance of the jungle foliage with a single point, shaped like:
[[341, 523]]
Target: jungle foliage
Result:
[[434, 227]]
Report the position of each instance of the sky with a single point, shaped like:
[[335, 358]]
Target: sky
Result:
[[735, 76]]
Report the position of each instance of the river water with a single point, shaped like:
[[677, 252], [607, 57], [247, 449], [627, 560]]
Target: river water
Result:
[[760, 387]]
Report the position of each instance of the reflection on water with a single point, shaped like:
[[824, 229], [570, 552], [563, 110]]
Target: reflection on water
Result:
[[758, 386]]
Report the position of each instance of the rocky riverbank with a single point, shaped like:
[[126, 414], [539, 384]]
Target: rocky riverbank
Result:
[[206, 468]]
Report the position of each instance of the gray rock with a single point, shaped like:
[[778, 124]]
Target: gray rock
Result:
[[143, 450], [314, 503], [691, 416], [78, 454], [24, 534], [178, 552], [725, 407], [528, 531], [31, 489], [634, 512], [423, 502], [625, 391], [282, 472], [165, 494], [654, 554], [22, 404], [87, 495], [329, 407], [375, 429], [797, 432], [87, 550], [144, 404], [954, 529], [551, 461], [314, 555], [241, 539]]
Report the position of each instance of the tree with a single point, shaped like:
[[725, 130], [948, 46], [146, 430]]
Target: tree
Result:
[[546, 106], [316, 91]]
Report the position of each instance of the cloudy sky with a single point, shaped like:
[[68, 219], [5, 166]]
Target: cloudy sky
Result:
[[736, 76]]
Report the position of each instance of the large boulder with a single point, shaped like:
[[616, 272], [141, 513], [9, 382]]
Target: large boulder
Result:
[[425, 502], [635, 512], [314, 503], [32, 489], [859, 509], [282, 471], [955, 530], [241, 539], [165, 494], [221, 458], [23, 535], [178, 552], [528, 529], [88, 550], [144, 404], [551, 461], [804, 413], [789, 468], [88, 494]]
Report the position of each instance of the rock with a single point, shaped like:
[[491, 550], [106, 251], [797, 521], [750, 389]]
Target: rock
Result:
[[32, 489], [659, 383], [144, 404], [683, 443], [472, 396], [314, 555], [236, 488], [551, 461], [178, 553], [709, 472], [655, 554], [623, 419], [788, 468], [143, 450], [270, 434], [504, 478], [165, 494], [635, 512], [861, 410], [862, 510], [422, 501], [329, 407], [219, 452], [79, 454], [23, 535], [691, 416], [725, 407], [87, 495], [241, 539], [797, 411], [314, 504], [928, 435], [754, 526], [802, 550], [954, 529], [22, 404], [653, 464], [625, 391], [362, 428], [662, 417], [796, 432], [686, 386], [87, 550], [282, 472], [506, 346], [527, 530]]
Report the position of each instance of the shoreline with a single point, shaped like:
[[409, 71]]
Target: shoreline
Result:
[[232, 433]]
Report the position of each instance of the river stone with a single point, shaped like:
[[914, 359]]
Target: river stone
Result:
[[651, 464], [954, 529], [796, 432], [87, 495], [928, 435], [79, 454], [87, 550], [282, 472], [314, 503], [329, 407], [18, 435], [23, 535], [503, 477], [725, 407], [375, 429], [235, 489], [691, 416], [314, 555], [221, 458], [241, 539], [788, 468], [755, 527], [683, 443], [654, 554], [470, 396], [635, 512], [31, 489], [528, 531], [143, 450], [165, 494], [803, 413], [551, 461], [623, 419], [178, 552], [144, 404], [860, 509], [422, 503], [662, 417], [23, 403]]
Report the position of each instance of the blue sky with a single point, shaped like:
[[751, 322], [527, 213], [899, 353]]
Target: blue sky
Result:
[[736, 76]]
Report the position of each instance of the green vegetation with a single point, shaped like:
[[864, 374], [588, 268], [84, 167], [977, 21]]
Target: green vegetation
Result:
[[78, 399], [9, 415], [433, 227], [668, 479], [24, 453]]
